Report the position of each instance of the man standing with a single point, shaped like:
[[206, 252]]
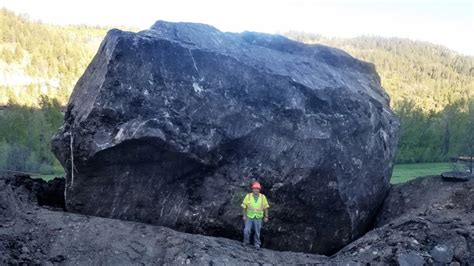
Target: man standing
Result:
[[255, 208]]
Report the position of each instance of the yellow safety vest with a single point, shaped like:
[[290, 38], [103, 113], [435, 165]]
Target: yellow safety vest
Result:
[[255, 209]]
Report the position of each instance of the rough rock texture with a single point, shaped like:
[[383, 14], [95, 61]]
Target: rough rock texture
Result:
[[171, 124], [34, 235], [418, 234], [426, 218]]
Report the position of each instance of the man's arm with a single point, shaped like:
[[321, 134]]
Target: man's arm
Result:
[[266, 209], [244, 208]]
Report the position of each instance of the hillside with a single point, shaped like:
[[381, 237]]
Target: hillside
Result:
[[430, 86], [38, 59], [431, 76], [431, 90]]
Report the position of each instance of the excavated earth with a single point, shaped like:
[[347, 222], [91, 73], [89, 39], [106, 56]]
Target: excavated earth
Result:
[[423, 221]]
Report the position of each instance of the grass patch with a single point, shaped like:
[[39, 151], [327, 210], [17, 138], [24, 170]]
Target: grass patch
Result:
[[405, 172], [48, 177], [401, 172]]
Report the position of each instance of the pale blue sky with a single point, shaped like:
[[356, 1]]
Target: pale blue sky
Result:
[[445, 22]]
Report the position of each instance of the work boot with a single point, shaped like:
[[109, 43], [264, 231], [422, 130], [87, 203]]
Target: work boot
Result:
[[257, 246]]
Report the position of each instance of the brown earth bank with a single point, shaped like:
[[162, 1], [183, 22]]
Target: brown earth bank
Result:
[[423, 221]]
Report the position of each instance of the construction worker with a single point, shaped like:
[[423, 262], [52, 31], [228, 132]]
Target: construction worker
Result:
[[255, 209]]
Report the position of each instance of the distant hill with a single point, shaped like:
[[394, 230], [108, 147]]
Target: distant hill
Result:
[[431, 87], [431, 90], [39, 59], [431, 76]]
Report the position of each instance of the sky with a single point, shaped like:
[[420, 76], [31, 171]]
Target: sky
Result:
[[445, 22]]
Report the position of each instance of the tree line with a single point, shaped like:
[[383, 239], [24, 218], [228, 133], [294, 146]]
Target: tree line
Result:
[[52, 57], [431, 89], [435, 136], [25, 137]]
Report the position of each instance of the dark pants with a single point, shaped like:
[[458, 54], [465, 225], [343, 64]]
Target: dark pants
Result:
[[257, 225]]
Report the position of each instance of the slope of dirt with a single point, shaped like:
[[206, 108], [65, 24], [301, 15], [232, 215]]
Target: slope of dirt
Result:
[[33, 234], [424, 221]]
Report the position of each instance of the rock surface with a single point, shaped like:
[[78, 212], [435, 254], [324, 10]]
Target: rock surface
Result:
[[34, 235], [423, 235], [170, 125], [426, 217]]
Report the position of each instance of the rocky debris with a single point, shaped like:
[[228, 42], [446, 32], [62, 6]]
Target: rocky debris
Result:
[[35, 235], [429, 195], [442, 253], [170, 125], [45, 193], [457, 176], [425, 217], [410, 260]]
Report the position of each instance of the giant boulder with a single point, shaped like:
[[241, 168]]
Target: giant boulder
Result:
[[169, 126]]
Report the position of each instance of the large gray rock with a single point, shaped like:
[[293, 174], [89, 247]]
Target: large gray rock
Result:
[[171, 124]]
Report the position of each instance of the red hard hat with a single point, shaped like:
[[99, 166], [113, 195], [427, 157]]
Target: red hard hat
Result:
[[256, 185]]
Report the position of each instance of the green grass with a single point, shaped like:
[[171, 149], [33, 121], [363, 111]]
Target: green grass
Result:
[[48, 177], [45, 177], [405, 172], [401, 172]]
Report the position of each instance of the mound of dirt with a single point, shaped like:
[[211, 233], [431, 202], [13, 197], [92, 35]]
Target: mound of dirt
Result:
[[424, 221], [32, 234]]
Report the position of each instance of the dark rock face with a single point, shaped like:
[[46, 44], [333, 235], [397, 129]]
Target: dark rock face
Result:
[[171, 124], [32, 235], [437, 231]]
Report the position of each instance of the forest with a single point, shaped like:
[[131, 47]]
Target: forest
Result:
[[25, 137], [431, 89]]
